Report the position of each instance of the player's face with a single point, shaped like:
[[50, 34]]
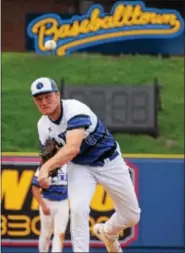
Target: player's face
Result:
[[47, 103]]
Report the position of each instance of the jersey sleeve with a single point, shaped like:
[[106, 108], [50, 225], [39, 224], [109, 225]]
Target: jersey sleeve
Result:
[[35, 179], [78, 116], [79, 121]]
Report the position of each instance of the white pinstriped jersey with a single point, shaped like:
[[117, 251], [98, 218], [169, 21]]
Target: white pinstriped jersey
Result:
[[75, 114]]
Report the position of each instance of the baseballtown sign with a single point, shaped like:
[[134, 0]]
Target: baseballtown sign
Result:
[[126, 20]]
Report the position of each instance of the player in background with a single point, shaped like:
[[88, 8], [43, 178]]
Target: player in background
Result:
[[53, 209], [93, 156]]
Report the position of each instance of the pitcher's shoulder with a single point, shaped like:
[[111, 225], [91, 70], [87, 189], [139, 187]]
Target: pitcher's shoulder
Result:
[[72, 107], [42, 121], [72, 102]]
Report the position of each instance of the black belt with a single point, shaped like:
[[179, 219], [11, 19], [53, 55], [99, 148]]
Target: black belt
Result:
[[107, 154], [111, 154]]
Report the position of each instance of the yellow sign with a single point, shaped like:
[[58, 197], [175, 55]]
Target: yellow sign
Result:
[[126, 20], [20, 218], [15, 190]]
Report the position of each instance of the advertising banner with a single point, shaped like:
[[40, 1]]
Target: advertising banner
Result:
[[20, 222], [127, 21]]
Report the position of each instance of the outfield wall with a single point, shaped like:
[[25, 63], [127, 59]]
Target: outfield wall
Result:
[[159, 183]]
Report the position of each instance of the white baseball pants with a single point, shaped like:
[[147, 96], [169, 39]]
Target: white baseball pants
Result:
[[55, 224], [115, 178]]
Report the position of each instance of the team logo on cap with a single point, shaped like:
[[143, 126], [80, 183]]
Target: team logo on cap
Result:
[[39, 86]]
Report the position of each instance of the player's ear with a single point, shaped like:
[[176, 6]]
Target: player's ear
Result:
[[58, 94]]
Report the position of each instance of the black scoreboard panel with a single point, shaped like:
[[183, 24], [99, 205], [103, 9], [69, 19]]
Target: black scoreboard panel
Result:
[[131, 109]]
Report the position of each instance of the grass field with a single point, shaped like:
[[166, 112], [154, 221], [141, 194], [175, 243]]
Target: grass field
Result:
[[19, 114]]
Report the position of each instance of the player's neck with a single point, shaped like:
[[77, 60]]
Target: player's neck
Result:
[[56, 114]]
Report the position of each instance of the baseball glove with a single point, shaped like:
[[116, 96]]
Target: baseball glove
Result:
[[50, 148]]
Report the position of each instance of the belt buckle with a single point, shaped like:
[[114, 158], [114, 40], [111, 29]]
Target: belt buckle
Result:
[[106, 160]]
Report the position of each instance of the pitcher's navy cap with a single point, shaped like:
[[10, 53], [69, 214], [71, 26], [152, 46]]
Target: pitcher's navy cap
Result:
[[43, 85]]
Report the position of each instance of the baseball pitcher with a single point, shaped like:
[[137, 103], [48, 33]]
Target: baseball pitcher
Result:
[[93, 156]]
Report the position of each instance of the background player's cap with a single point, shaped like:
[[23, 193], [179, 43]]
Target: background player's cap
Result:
[[43, 85]]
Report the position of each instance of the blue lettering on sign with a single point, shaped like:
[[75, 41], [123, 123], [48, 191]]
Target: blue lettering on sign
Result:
[[126, 20]]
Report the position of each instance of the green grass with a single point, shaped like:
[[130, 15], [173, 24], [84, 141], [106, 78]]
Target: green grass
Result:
[[19, 114]]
